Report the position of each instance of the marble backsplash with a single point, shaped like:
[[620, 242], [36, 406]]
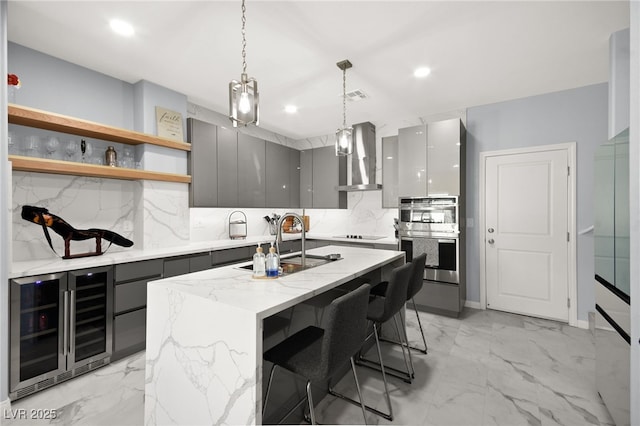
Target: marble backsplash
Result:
[[151, 214]]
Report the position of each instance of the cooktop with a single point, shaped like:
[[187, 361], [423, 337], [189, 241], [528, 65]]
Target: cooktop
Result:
[[360, 237]]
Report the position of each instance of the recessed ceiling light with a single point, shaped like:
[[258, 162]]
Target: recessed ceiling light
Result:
[[121, 27], [422, 72], [291, 109]]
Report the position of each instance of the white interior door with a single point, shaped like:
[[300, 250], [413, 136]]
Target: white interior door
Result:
[[526, 233]]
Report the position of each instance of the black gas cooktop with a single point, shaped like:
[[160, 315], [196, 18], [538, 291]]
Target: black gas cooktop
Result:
[[359, 237]]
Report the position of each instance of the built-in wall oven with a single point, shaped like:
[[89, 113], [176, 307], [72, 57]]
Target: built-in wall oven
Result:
[[61, 326], [431, 225]]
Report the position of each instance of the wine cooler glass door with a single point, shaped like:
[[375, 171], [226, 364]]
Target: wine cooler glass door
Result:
[[90, 316], [37, 329]]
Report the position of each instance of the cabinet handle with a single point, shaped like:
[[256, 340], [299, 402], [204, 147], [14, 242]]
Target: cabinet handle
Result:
[[65, 323], [72, 323]]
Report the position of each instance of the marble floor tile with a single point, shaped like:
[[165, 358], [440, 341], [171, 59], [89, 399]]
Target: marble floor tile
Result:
[[486, 368]]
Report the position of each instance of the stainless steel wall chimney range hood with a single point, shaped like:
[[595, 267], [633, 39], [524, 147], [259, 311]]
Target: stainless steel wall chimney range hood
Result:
[[362, 173]]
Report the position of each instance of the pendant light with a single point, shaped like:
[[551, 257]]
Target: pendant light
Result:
[[344, 135], [243, 94]]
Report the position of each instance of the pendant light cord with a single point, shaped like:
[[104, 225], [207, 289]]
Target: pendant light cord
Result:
[[344, 98], [244, 40]]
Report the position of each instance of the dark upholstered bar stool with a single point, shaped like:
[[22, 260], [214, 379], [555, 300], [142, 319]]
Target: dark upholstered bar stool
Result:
[[382, 309], [415, 285], [317, 353]]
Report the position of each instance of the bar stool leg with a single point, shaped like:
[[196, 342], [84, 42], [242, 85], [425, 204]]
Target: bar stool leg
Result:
[[310, 400], [266, 397], [415, 308], [384, 376], [410, 372], [355, 377]]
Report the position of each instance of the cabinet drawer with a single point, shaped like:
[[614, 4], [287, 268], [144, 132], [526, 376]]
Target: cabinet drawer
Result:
[[440, 296], [134, 270], [130, 331], [130, 296], [238, 254], [199, 262], [176, 266]]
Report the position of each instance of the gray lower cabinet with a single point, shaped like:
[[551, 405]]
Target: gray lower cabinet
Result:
[[202, 163], [329, 171], [130, 302], [180, 265], [440, 298], [227, 167], [232, 255], [251, 171]]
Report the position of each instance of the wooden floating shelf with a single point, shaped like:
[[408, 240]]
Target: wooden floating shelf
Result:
[[32, 117], [43, 165]]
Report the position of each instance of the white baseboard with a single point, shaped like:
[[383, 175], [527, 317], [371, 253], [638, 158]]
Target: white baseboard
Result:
[[5, 405], [583, 324], [472, 304]]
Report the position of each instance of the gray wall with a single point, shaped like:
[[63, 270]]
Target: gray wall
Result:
[[576, 115]]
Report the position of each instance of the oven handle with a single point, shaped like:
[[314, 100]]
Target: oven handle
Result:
[[440, 240]]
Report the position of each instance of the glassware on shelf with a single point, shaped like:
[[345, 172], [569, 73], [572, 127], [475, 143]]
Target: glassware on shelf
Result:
[[86, 149], [32, 147], [12, 141], [51, 146], [71, 150], [127, 158]]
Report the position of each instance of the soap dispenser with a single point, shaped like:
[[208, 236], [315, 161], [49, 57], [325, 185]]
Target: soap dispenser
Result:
[[259, 263], [273, 263]]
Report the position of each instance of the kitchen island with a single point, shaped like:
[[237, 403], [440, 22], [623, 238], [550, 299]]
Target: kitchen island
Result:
[[205, 334]]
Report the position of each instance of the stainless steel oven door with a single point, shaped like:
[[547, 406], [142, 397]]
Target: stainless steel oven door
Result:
[[442, 256]]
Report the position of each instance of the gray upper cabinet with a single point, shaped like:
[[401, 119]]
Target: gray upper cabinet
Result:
[[227, 167], [329, 171], [433, 160], [278, 179], [251, 171], [306, 178], [390, 172], [202, 163], [443, 157], [412, 152], [294, 178]]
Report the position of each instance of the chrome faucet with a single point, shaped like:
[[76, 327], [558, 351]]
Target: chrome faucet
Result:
[[279, 235]]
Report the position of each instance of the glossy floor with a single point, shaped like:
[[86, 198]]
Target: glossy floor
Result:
[[485, 368]]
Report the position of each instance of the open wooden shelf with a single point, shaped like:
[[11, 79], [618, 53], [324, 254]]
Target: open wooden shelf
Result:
[[32, 117], [43, 165]]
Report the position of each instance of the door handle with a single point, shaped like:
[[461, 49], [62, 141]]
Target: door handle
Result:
[[491, 241], [65, 327], [72, 323]]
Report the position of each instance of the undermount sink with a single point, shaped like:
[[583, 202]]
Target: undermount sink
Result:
[[291, 265]]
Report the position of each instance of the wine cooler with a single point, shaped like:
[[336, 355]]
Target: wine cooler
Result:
[[61, 326]]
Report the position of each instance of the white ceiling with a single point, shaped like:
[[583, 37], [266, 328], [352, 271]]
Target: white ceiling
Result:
[[480, 52]]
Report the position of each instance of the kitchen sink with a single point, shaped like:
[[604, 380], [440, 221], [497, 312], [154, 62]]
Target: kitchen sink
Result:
[[293, 264]]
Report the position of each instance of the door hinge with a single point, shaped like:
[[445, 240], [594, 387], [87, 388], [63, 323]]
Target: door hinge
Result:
[[568, 302], [568, 170], [568, 237]]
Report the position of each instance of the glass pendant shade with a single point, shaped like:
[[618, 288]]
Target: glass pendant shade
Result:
[[243, 101], [344, 141]]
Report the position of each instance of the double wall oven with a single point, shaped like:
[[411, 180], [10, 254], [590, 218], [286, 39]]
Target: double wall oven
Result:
[[431, 225]]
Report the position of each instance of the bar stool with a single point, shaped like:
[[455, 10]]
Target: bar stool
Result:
[[382, 309], [316, 353], [415, 285]]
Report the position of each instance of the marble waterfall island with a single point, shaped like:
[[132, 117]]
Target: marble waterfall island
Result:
[[205, 334]]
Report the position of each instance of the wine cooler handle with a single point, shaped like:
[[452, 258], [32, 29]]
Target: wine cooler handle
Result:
[[65, 327], [72, 323]]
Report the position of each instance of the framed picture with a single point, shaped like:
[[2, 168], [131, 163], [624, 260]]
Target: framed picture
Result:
[[169, 124]]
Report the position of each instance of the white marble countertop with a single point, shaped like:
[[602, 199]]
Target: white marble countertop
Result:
[[46, 266], [235, 287]]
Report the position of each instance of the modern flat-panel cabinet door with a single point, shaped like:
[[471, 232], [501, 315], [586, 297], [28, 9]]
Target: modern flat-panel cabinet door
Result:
[[294, 178], [412, 153], [443, 157], [202, 163], [251, 171], [306, 178], [390, 172], [278, 184], [227, 168], [329, 171]]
